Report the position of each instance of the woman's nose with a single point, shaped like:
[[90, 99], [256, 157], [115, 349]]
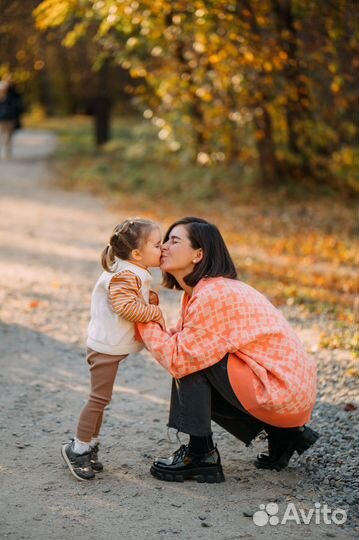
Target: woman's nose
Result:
[[164, 247]]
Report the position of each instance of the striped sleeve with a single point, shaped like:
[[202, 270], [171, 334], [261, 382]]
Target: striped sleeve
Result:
[[126, 299]]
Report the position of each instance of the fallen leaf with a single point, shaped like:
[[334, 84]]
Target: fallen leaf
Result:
[[350, 407]]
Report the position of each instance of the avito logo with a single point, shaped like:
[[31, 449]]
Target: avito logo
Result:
[[268, 515]]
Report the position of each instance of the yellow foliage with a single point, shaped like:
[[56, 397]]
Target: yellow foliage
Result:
[[190, 54], [54, 12]]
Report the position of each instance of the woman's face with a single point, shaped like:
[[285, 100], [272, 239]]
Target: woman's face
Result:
[[178, 256]]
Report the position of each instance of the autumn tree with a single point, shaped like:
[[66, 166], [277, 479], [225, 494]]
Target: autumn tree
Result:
[[240, 81]]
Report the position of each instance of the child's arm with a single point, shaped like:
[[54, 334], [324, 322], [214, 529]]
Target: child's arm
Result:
[[126, 299]]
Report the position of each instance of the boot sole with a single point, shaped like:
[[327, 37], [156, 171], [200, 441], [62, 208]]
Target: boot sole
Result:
[[306, 439], [69, 464], [202, 475]]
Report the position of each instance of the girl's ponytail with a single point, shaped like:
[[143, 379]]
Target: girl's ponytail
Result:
[[108, 258]]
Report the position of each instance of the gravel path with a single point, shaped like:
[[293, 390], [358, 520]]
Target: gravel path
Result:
[[50, 244]]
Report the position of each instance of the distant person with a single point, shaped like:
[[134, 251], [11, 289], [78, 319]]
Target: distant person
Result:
[[119, 299], [11, 109]]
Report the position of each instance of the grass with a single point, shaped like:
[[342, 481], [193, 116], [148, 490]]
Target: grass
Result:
[[132, 161], [300, 250]]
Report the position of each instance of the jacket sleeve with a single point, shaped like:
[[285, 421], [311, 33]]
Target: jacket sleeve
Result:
[[126, 299], [195, 347]]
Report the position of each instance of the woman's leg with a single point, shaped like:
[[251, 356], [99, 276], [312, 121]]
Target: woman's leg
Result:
[[190, 412], [226, 409], [228, 412], [206, 395], [238, 423], [190, 407], [282, 443]]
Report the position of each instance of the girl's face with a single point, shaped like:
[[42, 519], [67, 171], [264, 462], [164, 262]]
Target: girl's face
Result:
[[150, 253], [178, 256]]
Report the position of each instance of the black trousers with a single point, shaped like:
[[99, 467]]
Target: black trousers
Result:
[[207, 395]]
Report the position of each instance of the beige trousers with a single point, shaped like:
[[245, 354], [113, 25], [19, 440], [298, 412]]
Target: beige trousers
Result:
[[103, 371]]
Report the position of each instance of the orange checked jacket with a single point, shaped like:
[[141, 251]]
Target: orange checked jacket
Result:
[[269, 370]]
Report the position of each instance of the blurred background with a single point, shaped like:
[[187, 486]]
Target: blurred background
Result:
[[244, 112], [269, 88]]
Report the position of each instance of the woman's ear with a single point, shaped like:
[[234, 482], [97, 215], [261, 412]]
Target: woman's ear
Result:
[[198, 257]]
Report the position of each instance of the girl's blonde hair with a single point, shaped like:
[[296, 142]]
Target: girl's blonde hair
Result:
[[128, 235]]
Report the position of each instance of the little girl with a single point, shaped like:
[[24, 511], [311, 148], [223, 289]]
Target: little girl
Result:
[[120, 298]]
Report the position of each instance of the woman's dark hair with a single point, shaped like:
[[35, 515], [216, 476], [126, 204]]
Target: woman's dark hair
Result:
[[216, 261]]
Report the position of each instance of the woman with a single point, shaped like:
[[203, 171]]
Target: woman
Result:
[[234, 359]]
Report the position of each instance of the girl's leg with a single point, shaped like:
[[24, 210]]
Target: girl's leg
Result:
[[103, 370], [98, 426], [78, 454]]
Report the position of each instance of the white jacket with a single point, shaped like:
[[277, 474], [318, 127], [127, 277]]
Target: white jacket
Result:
[[108, 332]]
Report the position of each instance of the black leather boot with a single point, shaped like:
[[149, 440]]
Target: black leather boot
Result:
[[184, 465], [282, 443]]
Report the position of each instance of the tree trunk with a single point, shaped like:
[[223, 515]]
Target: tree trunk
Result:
[[102, 110], [102, 106], [44, 92], [266, 148], [295, 83], [268, 162]]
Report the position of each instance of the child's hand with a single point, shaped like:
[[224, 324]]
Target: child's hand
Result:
[[153, 298]]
